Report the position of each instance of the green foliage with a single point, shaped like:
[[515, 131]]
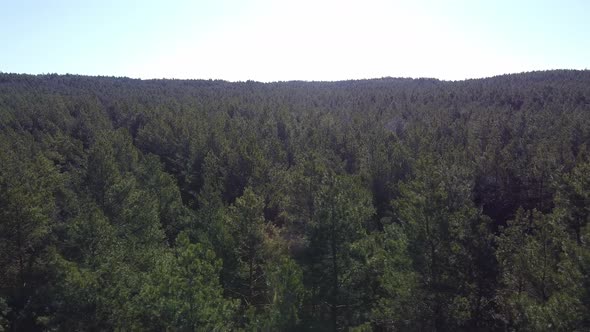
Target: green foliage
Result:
[[27, 226], [355, 205], [572, 201], [267, 280], [540, 283], [184, 292], [395, 305], [246, 224], [450, 244], [4, 310], [573, 196], [341, 208], [285, 280]]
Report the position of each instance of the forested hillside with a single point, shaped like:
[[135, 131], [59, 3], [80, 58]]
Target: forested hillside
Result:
[[388, 204]]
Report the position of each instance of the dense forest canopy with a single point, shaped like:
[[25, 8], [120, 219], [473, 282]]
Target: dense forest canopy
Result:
[[387, 204]]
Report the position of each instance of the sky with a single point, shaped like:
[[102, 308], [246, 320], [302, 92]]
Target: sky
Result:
[[276, 40]]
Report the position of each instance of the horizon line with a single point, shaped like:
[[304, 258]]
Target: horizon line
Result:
[[296, 80]]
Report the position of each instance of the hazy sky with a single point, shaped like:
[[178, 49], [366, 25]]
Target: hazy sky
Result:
[[270, 40]]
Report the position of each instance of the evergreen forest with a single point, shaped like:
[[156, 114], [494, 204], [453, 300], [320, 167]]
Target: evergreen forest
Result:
[[389, 204]]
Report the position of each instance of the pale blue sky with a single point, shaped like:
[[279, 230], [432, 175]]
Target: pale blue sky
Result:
[[268, 40]]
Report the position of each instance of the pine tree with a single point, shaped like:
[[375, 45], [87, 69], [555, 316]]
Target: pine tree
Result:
[[540, 282], [184, 293], [27, 220], [341, 209], [449, 242]]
